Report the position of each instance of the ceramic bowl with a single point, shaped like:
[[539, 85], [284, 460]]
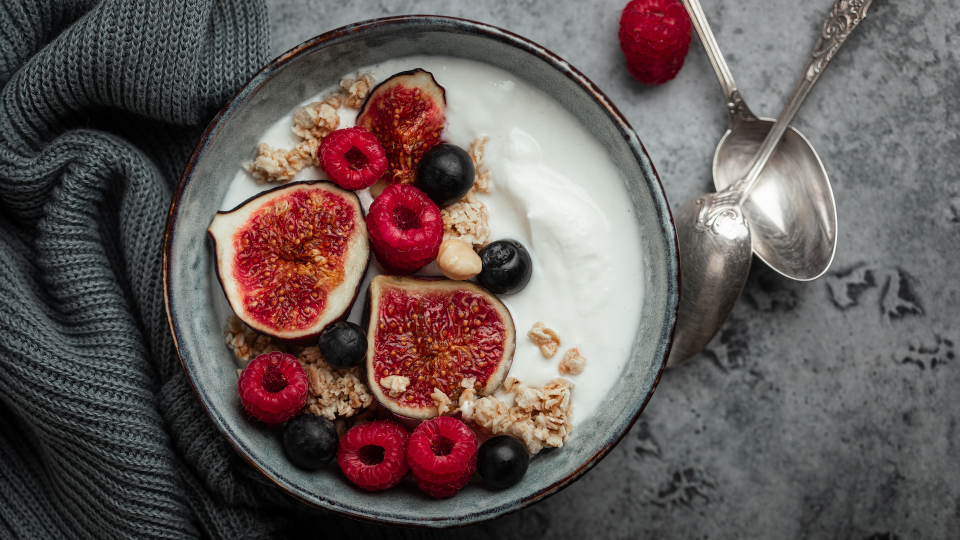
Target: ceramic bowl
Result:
[[230, 140]]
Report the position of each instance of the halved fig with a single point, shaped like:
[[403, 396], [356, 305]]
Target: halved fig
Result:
[[435, 333], [406, 113], [290, 260]]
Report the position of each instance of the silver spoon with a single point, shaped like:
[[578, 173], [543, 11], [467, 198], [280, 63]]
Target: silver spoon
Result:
[[791, 210], [714, 238]]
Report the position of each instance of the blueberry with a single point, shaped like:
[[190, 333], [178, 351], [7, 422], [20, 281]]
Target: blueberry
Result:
[[507, 267], [343, 345], [310, 441], [445, 173], [502, 461]]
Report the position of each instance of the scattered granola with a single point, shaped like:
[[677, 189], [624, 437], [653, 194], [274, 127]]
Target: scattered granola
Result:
[[396, 384], [546, 338], [441, 401], [481, 181], [573, 362], [315, 120], [332, 392], [541, 417], [467, 221], [274, 164], [246, 343], [509, 384], [357, 89]]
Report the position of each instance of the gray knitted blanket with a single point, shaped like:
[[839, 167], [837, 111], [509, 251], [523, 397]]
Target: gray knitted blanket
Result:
[[100, 434]]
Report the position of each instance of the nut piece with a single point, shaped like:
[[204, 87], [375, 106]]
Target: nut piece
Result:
[[572, 363], [457, 260], [546, 338]]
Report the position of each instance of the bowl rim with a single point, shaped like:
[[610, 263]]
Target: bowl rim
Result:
[[664, 217]]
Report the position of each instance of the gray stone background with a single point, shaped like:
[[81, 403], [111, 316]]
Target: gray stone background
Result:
[[822, 410]]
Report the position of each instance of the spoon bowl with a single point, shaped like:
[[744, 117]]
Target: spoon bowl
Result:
[[791, 209]]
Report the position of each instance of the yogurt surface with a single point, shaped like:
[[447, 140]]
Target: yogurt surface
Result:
[[554, 189]]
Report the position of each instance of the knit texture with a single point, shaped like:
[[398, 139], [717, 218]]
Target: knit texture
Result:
[[100, 433]]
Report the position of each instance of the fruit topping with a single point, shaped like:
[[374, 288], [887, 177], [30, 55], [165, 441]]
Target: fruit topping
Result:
[[502, 461], [343, 345], [309, 441], [405, 229], [406, 113], [374, 455], [291, 259], [655, 38], [458, 260], [437, 334], [445, 173], [507, 267], [352, 158], [442, 455], [273, 387]]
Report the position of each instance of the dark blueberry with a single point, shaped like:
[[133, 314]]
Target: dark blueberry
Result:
[[343, 345], [507, 267], [445, 173], [502, 461], [310, 441]]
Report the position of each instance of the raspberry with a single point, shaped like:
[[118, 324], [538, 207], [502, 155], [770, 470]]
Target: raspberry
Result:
[[442, 455], [655, 38], [352, 158], [273, 387], [374, 455], [405, 229]]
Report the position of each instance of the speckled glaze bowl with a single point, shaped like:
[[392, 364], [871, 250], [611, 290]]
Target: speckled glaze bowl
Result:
[[231, 139]]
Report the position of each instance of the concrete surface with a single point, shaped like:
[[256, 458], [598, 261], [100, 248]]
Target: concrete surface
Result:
[[822, 410]]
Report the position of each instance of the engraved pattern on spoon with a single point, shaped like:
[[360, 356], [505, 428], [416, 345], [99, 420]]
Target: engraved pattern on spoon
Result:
[[843, 18]]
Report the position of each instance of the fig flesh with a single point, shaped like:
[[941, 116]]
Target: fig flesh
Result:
[[436, 333], [290, 260], [406, 113]]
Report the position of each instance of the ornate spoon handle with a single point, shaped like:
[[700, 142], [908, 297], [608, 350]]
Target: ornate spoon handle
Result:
[[735, 103], [844, 17]]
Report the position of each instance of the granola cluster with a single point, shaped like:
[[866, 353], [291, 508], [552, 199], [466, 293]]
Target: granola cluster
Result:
[[395, 384], [246, 343], [467, 221], [332, 392], [441, 401], [541, 416], [481, 180], [312, 122], [546, 338], [357, 89], [573, 362]]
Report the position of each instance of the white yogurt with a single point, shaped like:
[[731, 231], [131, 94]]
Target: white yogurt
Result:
[[555, 190]]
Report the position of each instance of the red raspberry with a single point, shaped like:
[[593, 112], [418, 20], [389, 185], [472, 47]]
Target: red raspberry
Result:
[[655, 38], [405, 229], [442, 455], [374, 455], [273, 387], [352, 158]]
